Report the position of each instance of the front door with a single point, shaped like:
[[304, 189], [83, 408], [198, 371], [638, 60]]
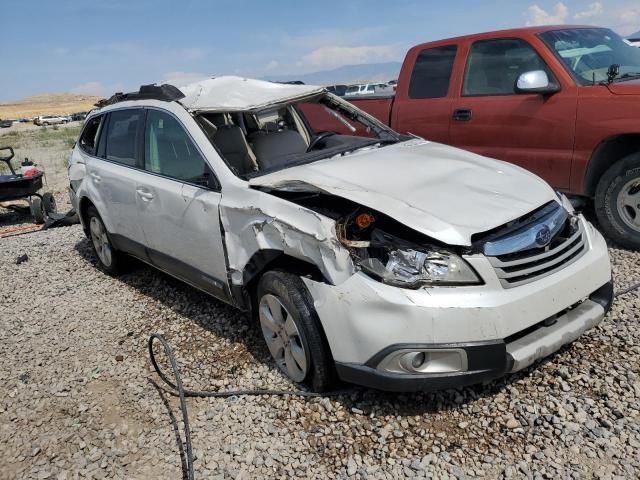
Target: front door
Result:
[[531, 130], [178, 206]]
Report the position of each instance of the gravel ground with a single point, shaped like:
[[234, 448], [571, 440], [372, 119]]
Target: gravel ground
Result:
[[77, 400]]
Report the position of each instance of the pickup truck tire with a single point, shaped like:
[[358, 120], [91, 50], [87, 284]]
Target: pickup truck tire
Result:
[[109, 259], [292, 331], [617, 202]]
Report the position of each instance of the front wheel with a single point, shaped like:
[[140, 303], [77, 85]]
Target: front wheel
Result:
[[292, 331], [617, 202]]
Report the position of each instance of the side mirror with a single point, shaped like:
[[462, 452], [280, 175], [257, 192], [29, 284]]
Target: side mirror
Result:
[[536, 81]]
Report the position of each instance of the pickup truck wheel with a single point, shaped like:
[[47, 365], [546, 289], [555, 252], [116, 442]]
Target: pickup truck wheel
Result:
[[617, 202], [292, 331], [109, 259]]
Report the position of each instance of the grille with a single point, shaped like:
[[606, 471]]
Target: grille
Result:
[[516, 269]]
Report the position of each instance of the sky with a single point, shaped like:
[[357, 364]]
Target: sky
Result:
[[100, 47]]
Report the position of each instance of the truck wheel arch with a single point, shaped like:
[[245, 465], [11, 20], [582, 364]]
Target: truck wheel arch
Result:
[[610, 151]]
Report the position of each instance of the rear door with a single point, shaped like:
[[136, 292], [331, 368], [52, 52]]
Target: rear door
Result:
[[113, 174], [178, 203], [423, 106], [531, 130]]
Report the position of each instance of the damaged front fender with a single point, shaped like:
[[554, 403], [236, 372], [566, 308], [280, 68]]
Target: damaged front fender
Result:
[[264, 222]]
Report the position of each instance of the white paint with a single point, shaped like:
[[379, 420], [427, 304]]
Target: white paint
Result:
[[443, 192], [235, 94]]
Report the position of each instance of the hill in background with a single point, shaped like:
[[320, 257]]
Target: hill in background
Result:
[[49, 104], [365, 73]]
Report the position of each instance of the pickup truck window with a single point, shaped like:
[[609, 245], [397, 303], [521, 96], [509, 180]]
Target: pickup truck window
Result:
[[494, 66], [432, 72], [588, 52]]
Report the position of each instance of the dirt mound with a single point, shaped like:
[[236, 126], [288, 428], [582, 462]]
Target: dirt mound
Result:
[[48, 104]]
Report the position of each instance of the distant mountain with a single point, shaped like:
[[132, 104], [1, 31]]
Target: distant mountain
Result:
[[634, 36], [369, 72]]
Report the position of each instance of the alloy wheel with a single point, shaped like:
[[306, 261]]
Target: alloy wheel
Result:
[[100, 241], [629, 204], [283, 338]]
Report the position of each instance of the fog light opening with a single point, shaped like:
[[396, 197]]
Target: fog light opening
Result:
[[418, 360], [425, 361]]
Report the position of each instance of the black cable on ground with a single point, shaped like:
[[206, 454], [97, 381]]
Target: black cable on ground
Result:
[[178, 389], [624, 291]]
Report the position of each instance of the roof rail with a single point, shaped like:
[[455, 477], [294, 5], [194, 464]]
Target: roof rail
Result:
[[164, 92]]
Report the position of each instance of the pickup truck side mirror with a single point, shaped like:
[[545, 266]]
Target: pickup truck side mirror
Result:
[[536, 81]]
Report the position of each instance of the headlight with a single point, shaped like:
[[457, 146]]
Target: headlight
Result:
[[410, 268], [399, 262]]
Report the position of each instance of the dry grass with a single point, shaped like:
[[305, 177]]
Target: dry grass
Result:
[[57, 103]]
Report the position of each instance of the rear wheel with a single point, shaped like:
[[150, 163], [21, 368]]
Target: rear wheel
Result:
[[292, 331], [109, 259], [617, 202]]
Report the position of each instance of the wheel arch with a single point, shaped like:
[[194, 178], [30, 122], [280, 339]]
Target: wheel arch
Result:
[[270, 259], [610, 151]]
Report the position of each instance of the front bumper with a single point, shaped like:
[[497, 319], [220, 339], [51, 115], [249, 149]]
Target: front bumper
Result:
[[363, 317], [486, 360]]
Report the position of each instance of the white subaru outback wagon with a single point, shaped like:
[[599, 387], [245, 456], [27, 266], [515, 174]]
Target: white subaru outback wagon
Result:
[[366, 256]]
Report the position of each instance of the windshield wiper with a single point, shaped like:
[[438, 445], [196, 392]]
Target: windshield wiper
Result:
[[629, 75]]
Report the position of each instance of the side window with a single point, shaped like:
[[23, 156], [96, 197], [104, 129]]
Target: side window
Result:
[[89, 137], [432, 72], [494, 66], [170, 151], [121, 144]]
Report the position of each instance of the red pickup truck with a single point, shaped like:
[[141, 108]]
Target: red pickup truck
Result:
[[562, 102]]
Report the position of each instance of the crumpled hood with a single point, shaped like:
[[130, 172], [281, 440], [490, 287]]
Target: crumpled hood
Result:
[[628, 87], [443, 192]]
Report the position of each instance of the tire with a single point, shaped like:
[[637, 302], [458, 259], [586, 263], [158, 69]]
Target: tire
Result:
[[49, 203], [109, 259], [37, 210], [308, 340], [617, 202]]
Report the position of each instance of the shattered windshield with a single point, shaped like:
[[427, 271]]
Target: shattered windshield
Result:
[[589, 52], [257, 142]]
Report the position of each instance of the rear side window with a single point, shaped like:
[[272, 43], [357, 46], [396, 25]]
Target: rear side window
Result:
[[494, 66], [121, 144], [89, 138], [432, 72], [170, 151]]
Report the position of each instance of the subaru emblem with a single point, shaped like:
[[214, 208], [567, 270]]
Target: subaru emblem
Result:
[[543, 236]]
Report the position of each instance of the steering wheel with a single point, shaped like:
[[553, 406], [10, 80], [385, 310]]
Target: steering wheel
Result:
[[317, 139]]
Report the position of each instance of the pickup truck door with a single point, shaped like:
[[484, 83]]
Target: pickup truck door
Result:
[[533, 131], [423, 105], [178, 206]]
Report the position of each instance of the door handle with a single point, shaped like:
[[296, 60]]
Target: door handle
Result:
[[462, 115], [144, 194]]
